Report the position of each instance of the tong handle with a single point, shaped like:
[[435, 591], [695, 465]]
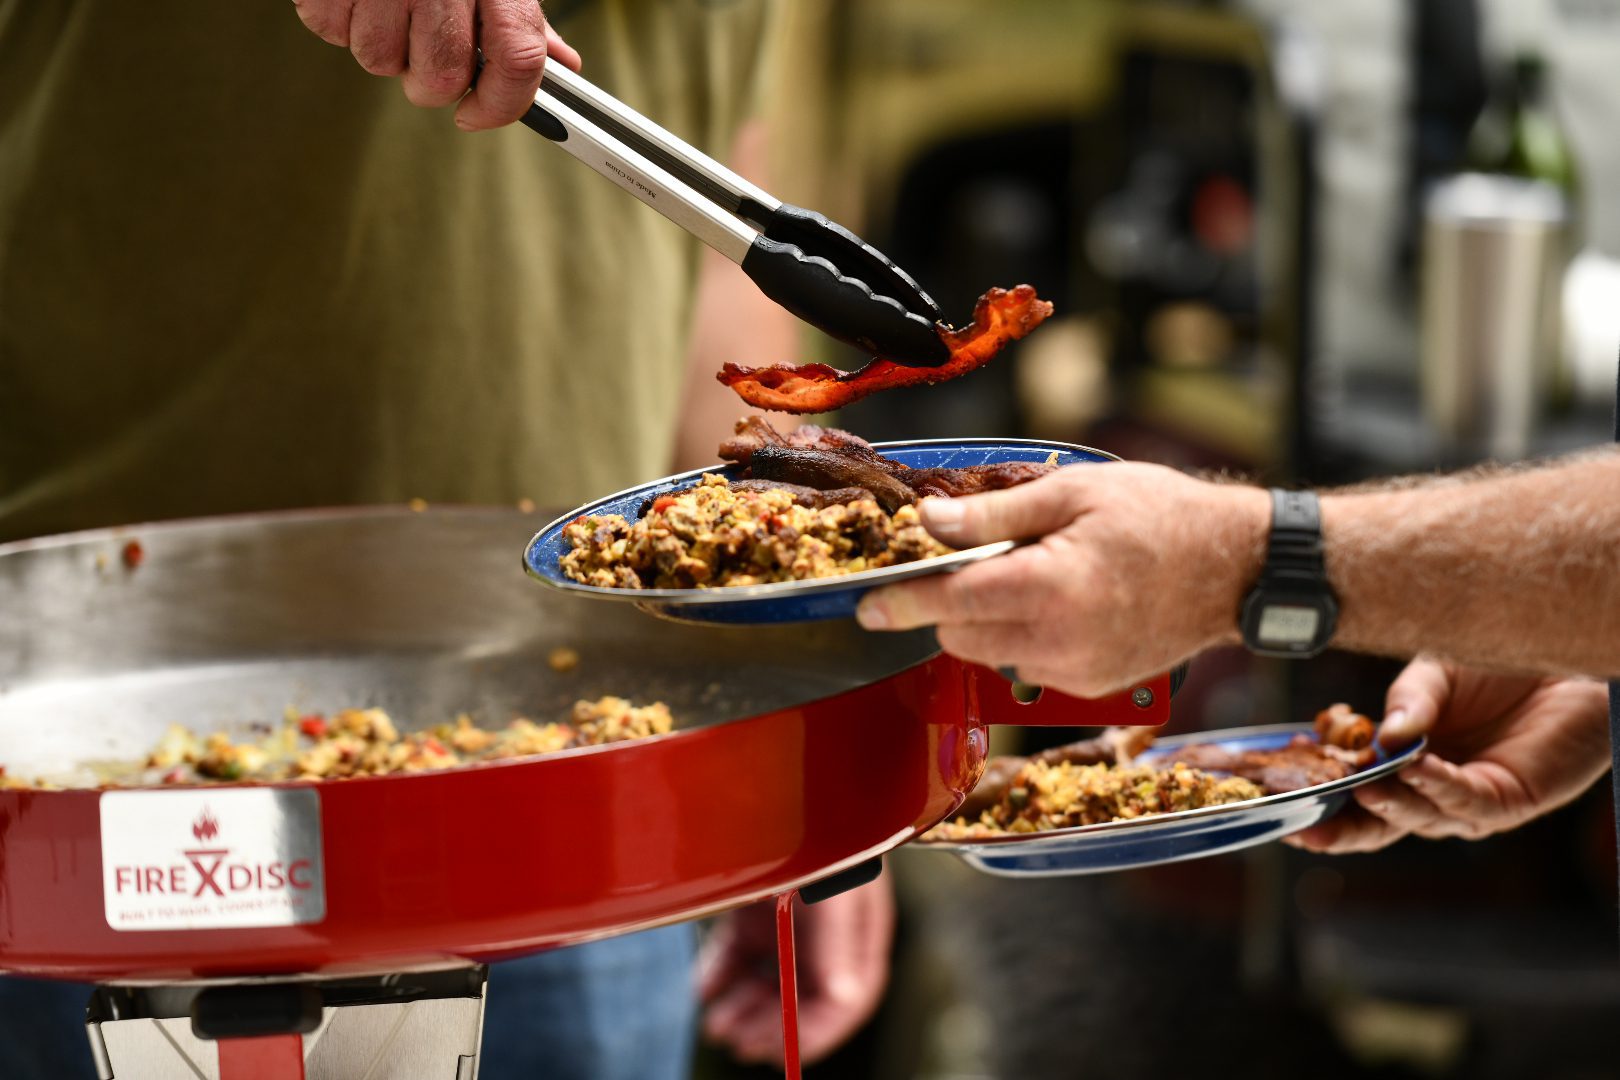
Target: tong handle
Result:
[[669, 152], [654, 185]]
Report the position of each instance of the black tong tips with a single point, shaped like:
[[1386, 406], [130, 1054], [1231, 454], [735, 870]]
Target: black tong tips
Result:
[[837, 282]]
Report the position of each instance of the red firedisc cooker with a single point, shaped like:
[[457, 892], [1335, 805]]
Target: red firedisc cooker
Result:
[[257, 914]]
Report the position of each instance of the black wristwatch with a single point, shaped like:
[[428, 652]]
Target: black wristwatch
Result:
[[1291, 611]]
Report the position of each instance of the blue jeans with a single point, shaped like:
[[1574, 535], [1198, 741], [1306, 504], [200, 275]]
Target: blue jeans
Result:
[[621, 1009], [42, 1031]]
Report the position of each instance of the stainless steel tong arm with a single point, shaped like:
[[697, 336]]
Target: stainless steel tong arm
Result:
[[626, 148], [678, 157]]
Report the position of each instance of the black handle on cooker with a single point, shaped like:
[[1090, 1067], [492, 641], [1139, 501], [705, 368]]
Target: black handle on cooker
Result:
[[828, 887], [245, 1012]]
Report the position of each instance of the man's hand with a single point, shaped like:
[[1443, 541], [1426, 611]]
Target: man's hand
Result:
[[1138, 567], [1503, 749], [432, 45], [843, 951]]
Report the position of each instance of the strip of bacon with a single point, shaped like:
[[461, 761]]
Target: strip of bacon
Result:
[[828, 458], [753, 432], [1000, 316]]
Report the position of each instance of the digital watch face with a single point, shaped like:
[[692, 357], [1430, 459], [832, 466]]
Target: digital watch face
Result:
[[1288, 626]]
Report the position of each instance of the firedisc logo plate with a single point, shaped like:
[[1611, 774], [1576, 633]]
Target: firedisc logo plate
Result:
[[211, 857]]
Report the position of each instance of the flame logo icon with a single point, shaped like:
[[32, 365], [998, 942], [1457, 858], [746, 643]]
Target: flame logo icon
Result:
[[205, 828]]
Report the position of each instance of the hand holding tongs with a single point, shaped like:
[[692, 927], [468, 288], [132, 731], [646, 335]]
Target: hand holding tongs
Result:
[[817, 269]]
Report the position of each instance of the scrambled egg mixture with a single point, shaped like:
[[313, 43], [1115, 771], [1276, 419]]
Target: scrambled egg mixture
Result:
[[713, 535], [365, 742], [1061, 796]]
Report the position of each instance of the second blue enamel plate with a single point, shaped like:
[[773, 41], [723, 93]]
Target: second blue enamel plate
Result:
[[1186, 834]]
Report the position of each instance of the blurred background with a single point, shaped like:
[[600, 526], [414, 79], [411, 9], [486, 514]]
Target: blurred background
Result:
[[1303, 243]]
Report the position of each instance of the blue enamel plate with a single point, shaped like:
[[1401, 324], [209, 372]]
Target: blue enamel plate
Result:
[[1186, 834], [791, 601]]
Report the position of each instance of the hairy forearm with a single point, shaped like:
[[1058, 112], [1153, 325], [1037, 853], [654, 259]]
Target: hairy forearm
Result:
[[1519, 569]]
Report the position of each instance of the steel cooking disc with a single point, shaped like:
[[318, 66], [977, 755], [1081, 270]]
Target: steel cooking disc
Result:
[[223, 623], [791, 601]]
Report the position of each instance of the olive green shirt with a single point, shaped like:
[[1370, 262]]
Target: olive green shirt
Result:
[[238, 273]]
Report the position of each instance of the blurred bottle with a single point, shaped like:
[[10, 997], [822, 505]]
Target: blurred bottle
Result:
[[1518, 134]]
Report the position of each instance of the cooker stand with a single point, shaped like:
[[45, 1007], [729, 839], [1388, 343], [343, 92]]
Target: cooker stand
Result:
[[383, 1027], [389, 1026]]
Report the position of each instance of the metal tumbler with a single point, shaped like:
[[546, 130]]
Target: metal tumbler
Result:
[[1494, 252]]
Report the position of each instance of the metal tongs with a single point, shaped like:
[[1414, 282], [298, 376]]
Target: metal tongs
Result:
[[816, 268]]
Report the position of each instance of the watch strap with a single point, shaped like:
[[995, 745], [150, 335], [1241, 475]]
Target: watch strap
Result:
[[1295, 545], [1291, 611]]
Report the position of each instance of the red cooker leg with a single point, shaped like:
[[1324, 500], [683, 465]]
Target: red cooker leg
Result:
[[787, 965], [267, 1057]]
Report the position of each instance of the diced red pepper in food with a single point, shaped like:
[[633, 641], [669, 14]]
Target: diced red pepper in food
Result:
[[662, 503], [313, 725]]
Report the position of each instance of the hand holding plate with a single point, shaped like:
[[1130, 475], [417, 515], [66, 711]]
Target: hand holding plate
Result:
[[1503, 749], [1137, 568]]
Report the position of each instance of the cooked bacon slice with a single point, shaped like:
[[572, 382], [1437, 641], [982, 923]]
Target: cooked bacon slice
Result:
[[1302, 763], [830, 438], [827, 469], [974, 478], [825, 458], [1340, 725], [750, 433], [1000, 316]]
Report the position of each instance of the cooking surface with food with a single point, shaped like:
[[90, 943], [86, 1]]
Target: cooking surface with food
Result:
[[360, 742]]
